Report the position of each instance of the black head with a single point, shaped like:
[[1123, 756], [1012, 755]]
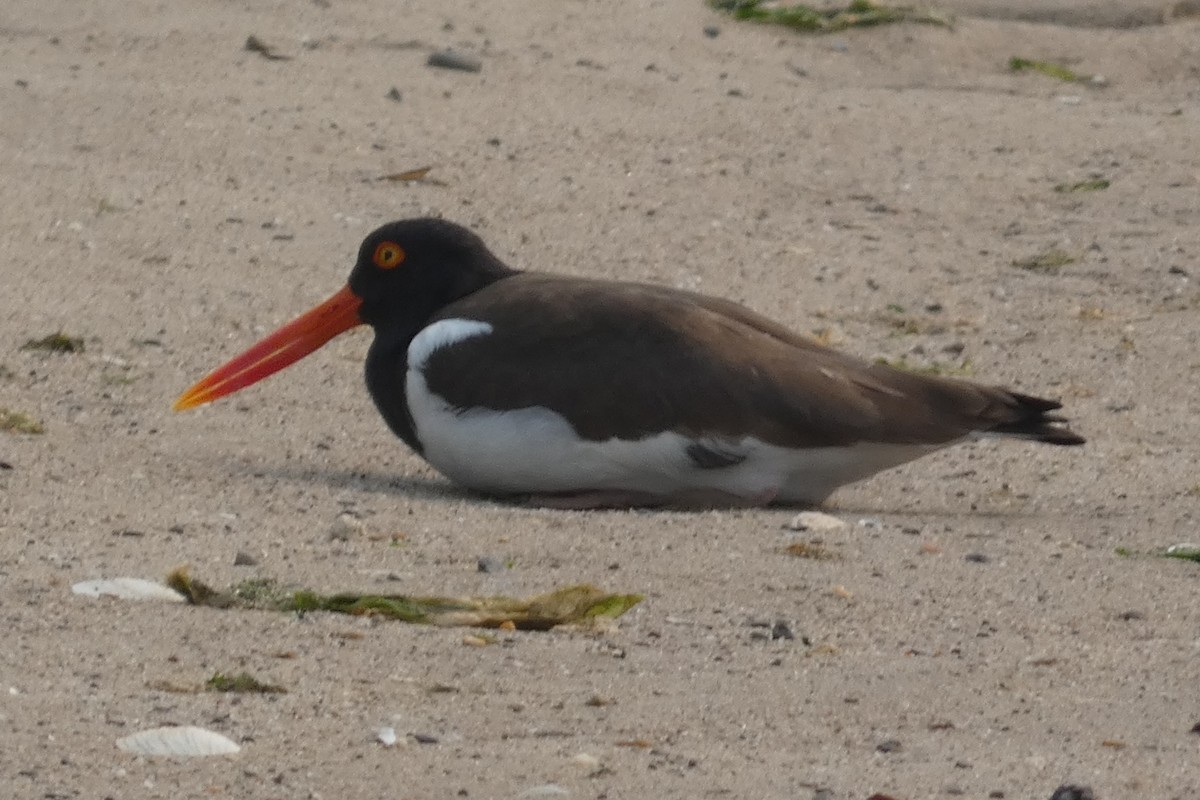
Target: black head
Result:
[[408, 270]]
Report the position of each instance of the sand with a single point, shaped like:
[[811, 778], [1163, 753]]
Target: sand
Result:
[[169, 196]]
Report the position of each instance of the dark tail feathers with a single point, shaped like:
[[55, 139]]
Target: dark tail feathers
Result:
[[1032, 420]]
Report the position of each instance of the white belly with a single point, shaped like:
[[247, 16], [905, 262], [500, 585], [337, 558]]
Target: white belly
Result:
[[536, 451]]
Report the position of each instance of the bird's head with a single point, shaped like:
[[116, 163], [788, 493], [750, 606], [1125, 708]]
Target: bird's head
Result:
[[405, 272]]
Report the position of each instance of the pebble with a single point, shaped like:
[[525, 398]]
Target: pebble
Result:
[[387, 737], [1070, 791], [781, 630], [243, 559], [490, 564], [977, 558], [889, 746], [346, 526], [814, 521], [452, 59]]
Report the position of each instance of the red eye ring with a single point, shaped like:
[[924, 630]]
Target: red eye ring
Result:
[[388, 255]]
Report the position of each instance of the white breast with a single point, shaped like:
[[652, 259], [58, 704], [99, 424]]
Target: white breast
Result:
[[535, 450]]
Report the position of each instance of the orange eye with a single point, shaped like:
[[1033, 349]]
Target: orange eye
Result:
[[389, 255]]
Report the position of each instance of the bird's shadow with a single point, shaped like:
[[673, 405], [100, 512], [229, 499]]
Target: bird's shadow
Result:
[[372, 482], [436, 489]]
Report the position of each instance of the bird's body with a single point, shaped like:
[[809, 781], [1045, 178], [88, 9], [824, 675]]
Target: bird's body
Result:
[[597, 393]]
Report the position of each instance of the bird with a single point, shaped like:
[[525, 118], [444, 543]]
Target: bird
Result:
[[579, 393]]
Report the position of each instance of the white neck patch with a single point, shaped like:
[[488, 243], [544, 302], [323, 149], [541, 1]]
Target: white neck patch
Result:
[[442, 333]]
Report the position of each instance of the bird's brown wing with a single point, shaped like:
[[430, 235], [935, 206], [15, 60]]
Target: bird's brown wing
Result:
[[630, 360]]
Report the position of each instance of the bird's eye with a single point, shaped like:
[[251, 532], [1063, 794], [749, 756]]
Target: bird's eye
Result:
[[389, 255]]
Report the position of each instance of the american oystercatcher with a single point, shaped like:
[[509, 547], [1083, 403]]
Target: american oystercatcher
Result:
[[583, 393]]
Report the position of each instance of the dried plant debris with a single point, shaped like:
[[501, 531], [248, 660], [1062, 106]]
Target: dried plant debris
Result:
[[1187, 552], [1093, 185], [800, 17], [1054, 70], [257, 45], [1048, 262], [19, 422], [242, 683], [55, 343], [580, 605], [963, 369], [418, 175], [815, 551], [454, 59]]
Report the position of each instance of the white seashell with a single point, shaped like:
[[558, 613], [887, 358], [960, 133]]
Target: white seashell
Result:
[[127, 589], [182, 741], [814, 521]]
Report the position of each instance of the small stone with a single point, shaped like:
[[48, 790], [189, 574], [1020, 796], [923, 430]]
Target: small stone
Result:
[[452, 59], [814, 521], [387, 737], [977, 558], [346, 526], [889, 746], [243, 559], [781, 630], [490, 564], [585, 760], [425, 738], [1070, 791], [394, 94], [712, 31]]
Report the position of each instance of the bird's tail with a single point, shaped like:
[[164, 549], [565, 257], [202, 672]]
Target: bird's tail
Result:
[[1031, 419]]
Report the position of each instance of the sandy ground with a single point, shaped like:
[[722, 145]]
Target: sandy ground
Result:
[[169, 196]]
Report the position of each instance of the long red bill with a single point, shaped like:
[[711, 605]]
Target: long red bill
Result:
[[285, 346]]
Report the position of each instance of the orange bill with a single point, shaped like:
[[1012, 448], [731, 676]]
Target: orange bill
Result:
[[285, 346]]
